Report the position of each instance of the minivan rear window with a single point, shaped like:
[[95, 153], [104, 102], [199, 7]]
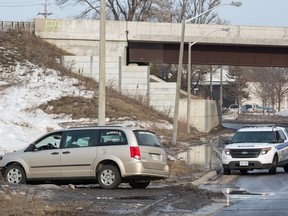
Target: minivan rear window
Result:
[[147, 138]]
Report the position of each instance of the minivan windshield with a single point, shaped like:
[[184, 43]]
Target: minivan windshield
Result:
[[253, 137]]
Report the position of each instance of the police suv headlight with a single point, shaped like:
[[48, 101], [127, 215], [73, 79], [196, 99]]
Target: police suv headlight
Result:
[[227, 151], [265, 151]]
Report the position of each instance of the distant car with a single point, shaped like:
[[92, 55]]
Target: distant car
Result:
[[234, 108], [253, 107], [108, 155], [244, 109], [268, 109], [248, 107]]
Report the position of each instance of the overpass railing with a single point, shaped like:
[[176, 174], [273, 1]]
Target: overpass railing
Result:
[[26, 26]]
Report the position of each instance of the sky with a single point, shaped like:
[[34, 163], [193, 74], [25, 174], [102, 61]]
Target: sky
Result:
[[252, 12]]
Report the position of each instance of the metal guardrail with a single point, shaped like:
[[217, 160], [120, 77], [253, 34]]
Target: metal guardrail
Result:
[[26, 26]]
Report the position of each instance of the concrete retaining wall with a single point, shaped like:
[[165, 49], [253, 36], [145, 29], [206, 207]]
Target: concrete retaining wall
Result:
[[204, 114], [202, 156]]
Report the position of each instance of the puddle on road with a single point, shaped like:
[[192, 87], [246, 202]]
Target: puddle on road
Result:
[[236, 194]]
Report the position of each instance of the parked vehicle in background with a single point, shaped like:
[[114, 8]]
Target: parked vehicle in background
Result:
[[253, 108], [235, 108], [107, 155], [244, 109], [256, 147], [268, 109]]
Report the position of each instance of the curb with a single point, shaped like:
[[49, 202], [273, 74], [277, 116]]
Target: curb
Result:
[[203, 179]]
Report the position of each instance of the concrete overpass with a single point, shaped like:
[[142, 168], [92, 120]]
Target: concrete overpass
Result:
[[132, 44], [159, 42]]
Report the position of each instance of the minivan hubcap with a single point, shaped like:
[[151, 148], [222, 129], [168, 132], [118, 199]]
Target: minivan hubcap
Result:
[[14, 176], [107, 177]]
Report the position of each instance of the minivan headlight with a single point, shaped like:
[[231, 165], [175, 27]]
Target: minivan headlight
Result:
[[227, 151]]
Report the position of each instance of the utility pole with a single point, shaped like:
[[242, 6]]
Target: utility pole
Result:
[[102, 66], [45, 13]]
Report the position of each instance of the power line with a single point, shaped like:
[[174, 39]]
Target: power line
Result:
[[20, 5], [68, 11]]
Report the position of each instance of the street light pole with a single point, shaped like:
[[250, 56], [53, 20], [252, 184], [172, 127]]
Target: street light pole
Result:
[[102, 65], [177, 98], [189, 76], [221, 92]]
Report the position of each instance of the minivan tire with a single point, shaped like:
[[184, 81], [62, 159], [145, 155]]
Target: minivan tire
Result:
[[109, 177], [15, 174]]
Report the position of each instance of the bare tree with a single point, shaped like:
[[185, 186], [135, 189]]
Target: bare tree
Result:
[[271, 85], [128, 10], [262, 80], [195, 7], [281, 84], [148, 10], [237, 87]]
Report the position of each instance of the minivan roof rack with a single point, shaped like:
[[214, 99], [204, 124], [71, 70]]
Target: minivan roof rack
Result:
[[91, 126]]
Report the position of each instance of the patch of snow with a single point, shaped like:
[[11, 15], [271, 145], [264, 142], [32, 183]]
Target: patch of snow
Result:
[[282, 113]]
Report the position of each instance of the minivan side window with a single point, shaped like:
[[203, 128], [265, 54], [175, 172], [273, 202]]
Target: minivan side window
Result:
[[112, 137], [147, 138], [49, 142], [81, 138]]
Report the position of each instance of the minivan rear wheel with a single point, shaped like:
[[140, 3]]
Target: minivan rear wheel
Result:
[[139, 185], [109, 177], [15, 174]]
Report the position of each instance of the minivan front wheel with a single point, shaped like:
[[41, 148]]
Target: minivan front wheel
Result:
[[109, 177], [15, 174]]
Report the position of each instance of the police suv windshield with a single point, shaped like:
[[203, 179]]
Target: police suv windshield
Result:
[[253, 137]]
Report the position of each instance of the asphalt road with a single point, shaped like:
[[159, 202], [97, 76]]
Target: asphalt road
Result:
[[257, 193]]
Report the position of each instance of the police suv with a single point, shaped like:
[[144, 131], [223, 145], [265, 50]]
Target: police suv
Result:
[[256, 147]]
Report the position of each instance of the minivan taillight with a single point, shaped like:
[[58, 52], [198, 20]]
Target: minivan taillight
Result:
[[135, 152]]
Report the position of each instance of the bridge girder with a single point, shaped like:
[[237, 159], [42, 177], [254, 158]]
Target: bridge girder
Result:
[[209, 54]]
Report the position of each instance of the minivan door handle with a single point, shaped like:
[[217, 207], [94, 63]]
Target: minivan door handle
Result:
[[66, 152], [54, 153]]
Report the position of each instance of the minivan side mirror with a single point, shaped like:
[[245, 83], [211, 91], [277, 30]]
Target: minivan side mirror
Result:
[[31, 147]]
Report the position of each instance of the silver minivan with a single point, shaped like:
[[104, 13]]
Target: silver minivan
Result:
[[109, 155]]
